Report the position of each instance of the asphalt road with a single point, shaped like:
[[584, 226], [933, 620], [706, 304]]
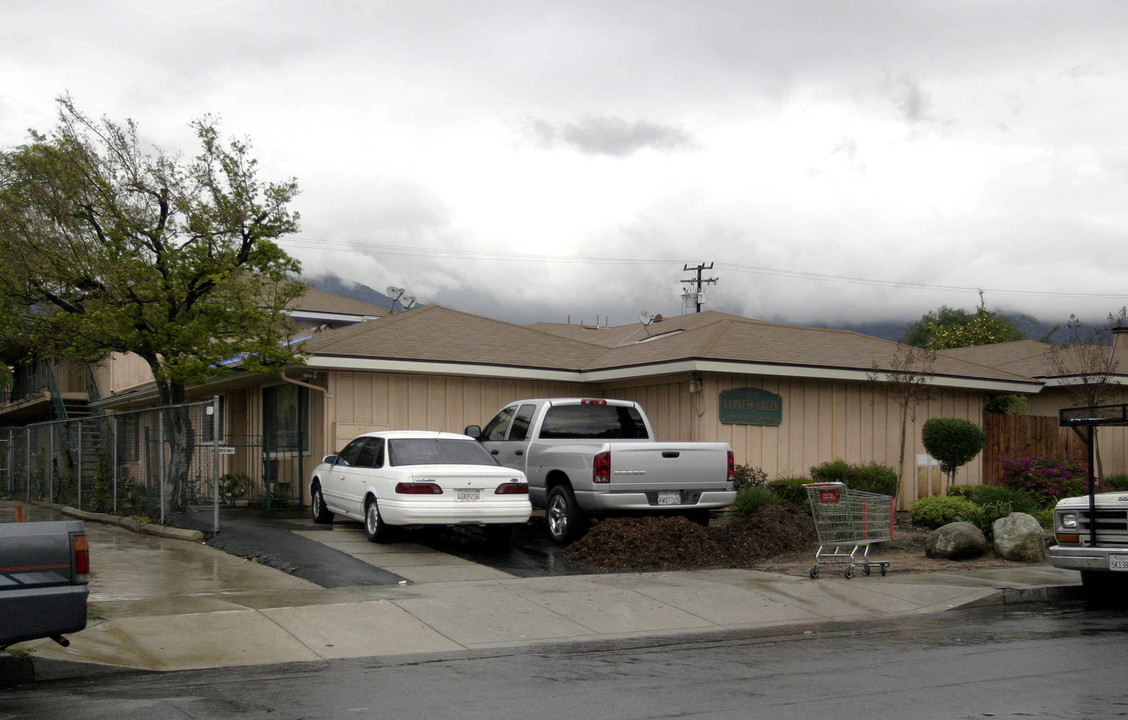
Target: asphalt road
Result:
[[1028, 661], [268, 538]]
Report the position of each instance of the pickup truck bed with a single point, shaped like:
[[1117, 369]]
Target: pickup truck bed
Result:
[[44, 576]]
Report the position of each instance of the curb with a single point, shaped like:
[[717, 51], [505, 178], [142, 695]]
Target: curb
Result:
[[167, 531], [16, 669]]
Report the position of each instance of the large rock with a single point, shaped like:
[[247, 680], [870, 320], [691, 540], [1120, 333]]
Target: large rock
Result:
[[1019, 537], [955, 541]]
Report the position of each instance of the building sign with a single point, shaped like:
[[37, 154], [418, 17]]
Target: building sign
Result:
[[751, 406]]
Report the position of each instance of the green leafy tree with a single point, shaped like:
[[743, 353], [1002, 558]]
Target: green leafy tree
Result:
[[106, 246], [952, 328], [952, 441]]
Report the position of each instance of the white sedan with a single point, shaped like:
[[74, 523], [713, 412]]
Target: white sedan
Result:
[[398, 478]]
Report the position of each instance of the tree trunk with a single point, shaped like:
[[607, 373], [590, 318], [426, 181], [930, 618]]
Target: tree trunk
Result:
[[180, 436]]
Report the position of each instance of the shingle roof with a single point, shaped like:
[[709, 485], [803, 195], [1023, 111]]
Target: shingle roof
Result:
[[437, 334], [314, 300]]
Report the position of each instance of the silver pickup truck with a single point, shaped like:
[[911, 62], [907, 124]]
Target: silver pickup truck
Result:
[[44, 576], [599, 457]]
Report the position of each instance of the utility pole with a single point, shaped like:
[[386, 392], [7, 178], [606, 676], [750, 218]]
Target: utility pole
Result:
[[697, 283]]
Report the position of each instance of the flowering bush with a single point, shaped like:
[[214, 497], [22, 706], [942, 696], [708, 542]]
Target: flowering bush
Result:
[[1049, 478]]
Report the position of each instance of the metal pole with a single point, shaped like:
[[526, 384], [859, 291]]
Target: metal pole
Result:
[[117, 430], [215, 455], [161, 459], [78, 470], [1092, 443], [51, 465], [27, 431]]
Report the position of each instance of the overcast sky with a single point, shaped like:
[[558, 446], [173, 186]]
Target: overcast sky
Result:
[[524, 160]]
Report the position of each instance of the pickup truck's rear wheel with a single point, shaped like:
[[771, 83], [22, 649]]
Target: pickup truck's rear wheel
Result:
[[321, 514], [564, 517]]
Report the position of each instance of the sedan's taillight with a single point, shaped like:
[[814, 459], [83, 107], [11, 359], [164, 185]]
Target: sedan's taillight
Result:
[[512, 489], [407, 488], [601, 468], [81, 558], [731, 467]]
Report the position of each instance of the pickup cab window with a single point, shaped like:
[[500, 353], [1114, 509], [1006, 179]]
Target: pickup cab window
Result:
[[593, 422], [496, 428], [521, 423]]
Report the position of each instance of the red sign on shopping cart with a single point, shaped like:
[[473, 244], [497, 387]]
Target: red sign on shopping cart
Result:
[[828, 496]]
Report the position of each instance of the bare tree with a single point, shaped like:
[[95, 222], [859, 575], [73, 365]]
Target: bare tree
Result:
[[906, 381], [1086, 363]]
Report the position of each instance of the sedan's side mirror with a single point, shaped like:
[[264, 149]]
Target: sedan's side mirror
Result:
[[330, 460], [473, 431]]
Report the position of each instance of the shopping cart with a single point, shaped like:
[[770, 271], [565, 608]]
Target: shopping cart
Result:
[[848, 521]]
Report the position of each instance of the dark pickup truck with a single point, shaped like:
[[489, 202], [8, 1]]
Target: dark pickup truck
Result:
[[44, 577]]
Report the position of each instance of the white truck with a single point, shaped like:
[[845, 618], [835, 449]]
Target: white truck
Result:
[[1092, 536], [591, 457]]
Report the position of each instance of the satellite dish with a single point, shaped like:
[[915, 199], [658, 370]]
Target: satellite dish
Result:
[[408, 301], [645, 318]]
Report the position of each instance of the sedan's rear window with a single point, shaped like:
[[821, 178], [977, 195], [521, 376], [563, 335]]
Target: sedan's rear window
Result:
[[430, 451]]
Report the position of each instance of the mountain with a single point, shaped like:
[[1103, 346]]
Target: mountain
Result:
[[345, 288], [893, 330]]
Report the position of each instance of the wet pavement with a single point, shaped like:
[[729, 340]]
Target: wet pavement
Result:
[[164, 604]]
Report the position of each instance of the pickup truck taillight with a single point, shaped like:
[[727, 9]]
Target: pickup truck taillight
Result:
[[81, 558], [731, 467], [601, 467]]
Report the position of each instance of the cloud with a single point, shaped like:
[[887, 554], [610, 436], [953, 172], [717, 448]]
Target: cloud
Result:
[[595, 135]]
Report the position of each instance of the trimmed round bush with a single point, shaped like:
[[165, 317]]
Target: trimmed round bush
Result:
[[874, 478], [934, 512], [952, 441]]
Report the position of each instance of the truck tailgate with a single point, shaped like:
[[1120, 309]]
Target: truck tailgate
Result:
[[648, 466]]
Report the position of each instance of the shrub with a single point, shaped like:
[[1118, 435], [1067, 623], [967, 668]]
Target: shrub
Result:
[[1019, 500], [749, 500], [984, 516], [1048, 478], [933, 512], [1045, 517], [963, 491], [872, 477], [790, 489], [833, 471], [746, 476], [1118, 483], [952, 441]]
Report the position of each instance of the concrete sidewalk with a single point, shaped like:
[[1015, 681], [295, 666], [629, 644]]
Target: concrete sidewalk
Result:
[[166, 604]]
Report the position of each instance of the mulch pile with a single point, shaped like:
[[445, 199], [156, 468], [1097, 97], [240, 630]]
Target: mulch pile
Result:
[[666, 543]]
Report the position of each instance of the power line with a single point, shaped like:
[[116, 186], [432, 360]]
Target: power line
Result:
[[495, 256]]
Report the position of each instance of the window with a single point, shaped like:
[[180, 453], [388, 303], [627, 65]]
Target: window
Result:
[[427, 451], [348, 456], [128, 437], [606, 422], [496, 429], [285, 417], [520, 429]]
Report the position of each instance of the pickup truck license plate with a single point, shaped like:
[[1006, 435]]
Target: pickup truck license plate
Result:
[[1118, 562], [467, 495], [669, 498]]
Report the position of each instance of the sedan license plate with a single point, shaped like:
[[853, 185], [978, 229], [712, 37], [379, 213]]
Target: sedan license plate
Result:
[[1118, 562], [669, 498], [468, 495]]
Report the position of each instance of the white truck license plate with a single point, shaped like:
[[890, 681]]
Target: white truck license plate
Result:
[[467, 495], [669, 498], [1118, 562]]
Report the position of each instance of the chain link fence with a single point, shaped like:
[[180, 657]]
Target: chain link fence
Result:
[[147, 462]]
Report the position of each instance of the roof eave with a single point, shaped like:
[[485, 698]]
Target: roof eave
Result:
[[650, 370]]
